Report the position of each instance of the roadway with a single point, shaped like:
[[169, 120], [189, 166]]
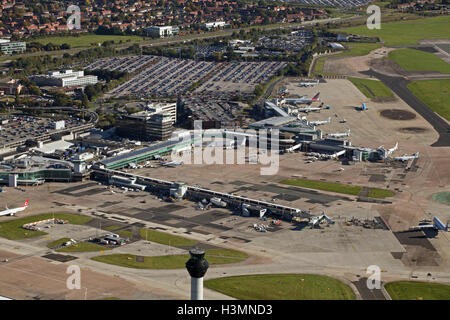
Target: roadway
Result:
[[399, 86], [183, 39]]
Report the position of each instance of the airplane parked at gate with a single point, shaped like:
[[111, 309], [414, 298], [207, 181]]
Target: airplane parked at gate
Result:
[[172, 163], [318, 123], [406, 157], [437, 225], [308, 84], [302, 100], [11, 212], [339, 135]]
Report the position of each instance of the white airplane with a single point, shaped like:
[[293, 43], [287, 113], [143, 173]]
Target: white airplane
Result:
[[172, 163], [389, 151], [308, 84], [437, 225], [11, 212], [406, 157], [339, 135], [316, 220], [293, 148], [218, 202], [302, 100], [306, 110], [318, 123]]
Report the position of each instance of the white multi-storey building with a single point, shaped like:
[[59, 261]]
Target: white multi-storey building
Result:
[[65, 78]]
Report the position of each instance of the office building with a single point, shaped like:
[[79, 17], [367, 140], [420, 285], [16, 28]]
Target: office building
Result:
[[154, 123], [11, 47], [65, 78], [161, 31]]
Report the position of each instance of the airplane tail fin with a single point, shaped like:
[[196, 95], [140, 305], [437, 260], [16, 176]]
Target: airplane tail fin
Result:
[[25, 204], [416, 154], [316, 97]]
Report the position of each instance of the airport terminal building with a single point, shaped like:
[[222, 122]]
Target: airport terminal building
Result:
[[34, 171]]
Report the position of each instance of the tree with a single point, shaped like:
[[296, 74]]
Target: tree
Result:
[[85, 101]]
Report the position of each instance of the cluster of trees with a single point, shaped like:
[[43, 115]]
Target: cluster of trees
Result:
[[30, 87], [103, 30], [37, 46], [25, 66], [112, 80], [106, 120], [184, 52]]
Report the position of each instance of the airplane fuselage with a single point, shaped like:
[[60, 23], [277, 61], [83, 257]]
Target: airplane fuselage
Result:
[[11, 212]]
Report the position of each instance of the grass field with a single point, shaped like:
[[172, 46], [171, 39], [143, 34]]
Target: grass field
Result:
[[407, 32], [282, 287], [354, 49], [372, 89], [58, 242], [214, 256], [358, 49], [13, 230], [417, 60], [83, 247], [320, 63], [434, 93], [86, 40], [412, 290], [110, 228], [322, 185], [337, 187], [165, 238], [442, 197], [380, 193], [125, 233]]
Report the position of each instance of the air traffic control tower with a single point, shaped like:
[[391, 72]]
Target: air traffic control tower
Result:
[[197, 267]]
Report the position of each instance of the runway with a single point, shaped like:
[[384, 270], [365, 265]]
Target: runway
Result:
[[398, 85]]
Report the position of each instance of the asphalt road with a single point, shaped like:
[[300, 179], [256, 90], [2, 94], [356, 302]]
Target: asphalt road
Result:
[[398, 85]]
